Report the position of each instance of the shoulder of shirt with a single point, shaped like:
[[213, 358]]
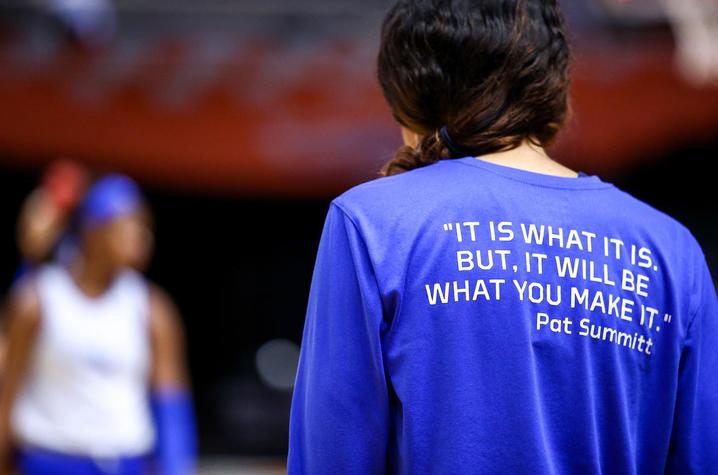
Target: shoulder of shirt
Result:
[[398, 191], [385, 192], [683, 248], [646, 213], [45, 274]]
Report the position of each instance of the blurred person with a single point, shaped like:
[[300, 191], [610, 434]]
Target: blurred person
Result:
[[481, 308], [95, 380]]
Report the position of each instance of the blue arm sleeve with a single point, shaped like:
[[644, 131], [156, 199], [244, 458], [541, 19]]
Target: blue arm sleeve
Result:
[[176, 446], [339, 415], [694, 441]]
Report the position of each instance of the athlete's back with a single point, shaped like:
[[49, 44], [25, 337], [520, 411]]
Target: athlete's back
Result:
[[468, 317], [502, 315]]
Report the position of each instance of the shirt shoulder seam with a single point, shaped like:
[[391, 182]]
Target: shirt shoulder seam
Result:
[[605, 186]]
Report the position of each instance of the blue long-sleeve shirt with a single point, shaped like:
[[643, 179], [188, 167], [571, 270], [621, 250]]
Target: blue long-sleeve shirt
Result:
[[468, 317]]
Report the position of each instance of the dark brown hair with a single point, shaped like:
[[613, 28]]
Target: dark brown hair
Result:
[[491, 73]]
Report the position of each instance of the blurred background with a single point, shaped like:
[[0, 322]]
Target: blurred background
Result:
[[242, 119]]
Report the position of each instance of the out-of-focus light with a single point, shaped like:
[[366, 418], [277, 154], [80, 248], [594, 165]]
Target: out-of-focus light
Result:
[[93, 22], [276, 362], [695, 24]]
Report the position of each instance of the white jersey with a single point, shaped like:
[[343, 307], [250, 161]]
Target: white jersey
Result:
[[86, 390]]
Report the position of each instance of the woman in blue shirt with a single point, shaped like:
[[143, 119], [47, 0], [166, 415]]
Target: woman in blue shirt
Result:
[[481, 308]]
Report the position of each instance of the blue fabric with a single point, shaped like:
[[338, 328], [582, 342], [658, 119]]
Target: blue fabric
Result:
[[22, 271], [176, 447], [110, 197], [34, 461], [433, 346]]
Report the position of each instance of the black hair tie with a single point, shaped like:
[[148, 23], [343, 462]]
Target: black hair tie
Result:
[[454, 149]]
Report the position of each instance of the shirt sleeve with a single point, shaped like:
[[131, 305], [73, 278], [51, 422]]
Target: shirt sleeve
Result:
[[694, 441], [339, 414]]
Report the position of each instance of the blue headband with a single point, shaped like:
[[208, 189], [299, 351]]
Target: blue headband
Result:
[[110, 197]]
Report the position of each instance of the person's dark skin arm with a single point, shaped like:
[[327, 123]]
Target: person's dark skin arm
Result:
[[167, 339], [170, 398], [23, 318]]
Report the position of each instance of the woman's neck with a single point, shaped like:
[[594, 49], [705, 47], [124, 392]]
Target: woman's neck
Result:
[[531, 158], [92, 276]]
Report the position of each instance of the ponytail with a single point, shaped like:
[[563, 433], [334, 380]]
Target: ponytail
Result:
[[429, 151]]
